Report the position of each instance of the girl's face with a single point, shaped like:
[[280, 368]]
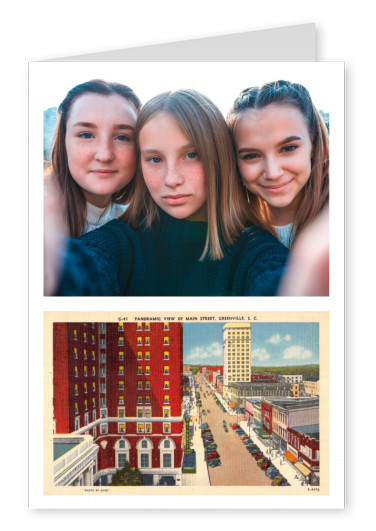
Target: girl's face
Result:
[[100, 145], [273, 149], [172, 169]]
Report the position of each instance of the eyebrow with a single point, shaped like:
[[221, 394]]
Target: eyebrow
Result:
[[93, 126], [285, 141], [183, 148]]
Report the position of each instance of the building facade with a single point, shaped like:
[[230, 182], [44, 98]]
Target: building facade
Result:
[[121, 383], [236, 354]]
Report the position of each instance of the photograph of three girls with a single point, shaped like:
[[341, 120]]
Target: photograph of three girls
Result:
[[169, 197]]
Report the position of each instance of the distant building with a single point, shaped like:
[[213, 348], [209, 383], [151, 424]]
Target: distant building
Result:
[[122, 385], [236, 354], [311, 387], [295, 390], [240, 391], [291, 378], [303, 451]]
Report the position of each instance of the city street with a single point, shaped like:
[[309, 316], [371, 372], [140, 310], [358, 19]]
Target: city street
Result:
[[238, 465]]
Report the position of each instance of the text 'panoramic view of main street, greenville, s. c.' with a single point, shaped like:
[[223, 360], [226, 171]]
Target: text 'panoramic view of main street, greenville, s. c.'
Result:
[[185, 404]]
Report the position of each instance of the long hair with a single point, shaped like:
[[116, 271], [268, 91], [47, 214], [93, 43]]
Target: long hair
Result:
[[202, 122], [315, 193], [73, 196]]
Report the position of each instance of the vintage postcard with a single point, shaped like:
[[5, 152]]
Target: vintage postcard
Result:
[[187, 404]]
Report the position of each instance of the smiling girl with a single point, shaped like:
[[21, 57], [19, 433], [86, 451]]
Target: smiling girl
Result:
[[282, 152], [94, 156], [184, 230]]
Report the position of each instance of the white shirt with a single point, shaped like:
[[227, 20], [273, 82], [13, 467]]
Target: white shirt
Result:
[[96, 216]]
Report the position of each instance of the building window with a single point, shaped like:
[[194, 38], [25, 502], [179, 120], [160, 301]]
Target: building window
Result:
[[121, 341], [147, 340], [102, 387], [140, 428], [75, 335], [166, 427], [93, 355], [166, 355], [147, 384], [166, 326], [148, 412], [103, 413], [85, 337], [93, 405], [122, 460], [121, 412], [86, 419], [93, 340], [121, 427], [85, 370], [121, 327], [166, 340], [147, 355], [147, 369], [167, 461], [77, 423], [147, 399], [103, 357], [148, 427], [93, 370], [139, 370], [166, 369], [139, 327], [103, 428], [75, 353], [147, 326], [76, 407], [76, 372], [139, 341], [144, 460], [166, 384], [85, 354], [121, 369], [85, 387], [140, 412], [102, 328], [121, 385], [139, 399], [102, 343], [121, 399], [121, 356], [139, 355], [166, 412], [166, 399], [139, 384], [103, 401], [76, 389]]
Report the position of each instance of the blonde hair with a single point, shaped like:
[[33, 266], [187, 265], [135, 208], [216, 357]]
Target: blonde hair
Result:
[[202, 122]]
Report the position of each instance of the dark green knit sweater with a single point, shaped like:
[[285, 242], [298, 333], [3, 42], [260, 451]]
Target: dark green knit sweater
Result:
[[164, 260]]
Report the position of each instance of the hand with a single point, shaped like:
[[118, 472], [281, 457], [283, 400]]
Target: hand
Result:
[[55, 235], [308, 270]]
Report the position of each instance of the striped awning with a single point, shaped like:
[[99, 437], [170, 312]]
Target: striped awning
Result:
[[303, 469], [290, 456]]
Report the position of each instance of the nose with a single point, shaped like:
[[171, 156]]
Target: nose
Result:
[[104, 152], [173, 176], [273, 168]]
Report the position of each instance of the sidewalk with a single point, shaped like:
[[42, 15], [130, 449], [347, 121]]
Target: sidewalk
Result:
[[278, 459]]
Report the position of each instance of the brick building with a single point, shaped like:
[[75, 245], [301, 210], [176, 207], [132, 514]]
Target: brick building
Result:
[[121, 383]]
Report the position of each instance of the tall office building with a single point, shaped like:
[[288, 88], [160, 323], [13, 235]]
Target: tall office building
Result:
[[236, 354], [121, 383]]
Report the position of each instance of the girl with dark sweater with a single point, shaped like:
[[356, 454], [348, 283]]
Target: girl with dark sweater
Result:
[[187, 230]]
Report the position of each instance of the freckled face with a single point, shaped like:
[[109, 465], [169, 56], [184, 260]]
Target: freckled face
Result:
[[273, 149], [172, 169], [100, 145]]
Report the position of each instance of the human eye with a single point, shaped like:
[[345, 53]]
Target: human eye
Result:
[[154, 160], [290, 148], [250, 156], [123, 138], [85, 135], [192, 155]]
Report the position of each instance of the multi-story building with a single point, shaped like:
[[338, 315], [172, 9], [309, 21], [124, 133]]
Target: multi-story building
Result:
[[291, 378], [311, 387], [236, 354], [122, 384], [239, 392], [304, 450]]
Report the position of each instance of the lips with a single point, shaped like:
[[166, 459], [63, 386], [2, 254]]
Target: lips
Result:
[[177, 199], [103, 173], [276, 187]]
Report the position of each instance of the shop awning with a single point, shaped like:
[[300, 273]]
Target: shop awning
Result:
[[303, 469], [291, 457]]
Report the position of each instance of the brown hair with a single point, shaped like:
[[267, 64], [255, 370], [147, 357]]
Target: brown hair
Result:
[[73, 196], [315, 193], [204, 125]]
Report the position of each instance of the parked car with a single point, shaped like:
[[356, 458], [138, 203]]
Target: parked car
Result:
[[235, 426], [255, 450], [214, 462], [265, 465], [262, 460], [258, 456], [212, 455], [277, 481]]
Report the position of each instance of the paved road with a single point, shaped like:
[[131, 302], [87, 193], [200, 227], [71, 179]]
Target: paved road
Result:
[[238, 465]]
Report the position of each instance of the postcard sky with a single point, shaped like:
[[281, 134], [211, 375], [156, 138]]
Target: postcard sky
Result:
[[272, 344]]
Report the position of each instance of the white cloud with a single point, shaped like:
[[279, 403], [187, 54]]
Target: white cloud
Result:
[[297, 353], [260, 354], [274, 339], [202, 353], [287, 338]]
